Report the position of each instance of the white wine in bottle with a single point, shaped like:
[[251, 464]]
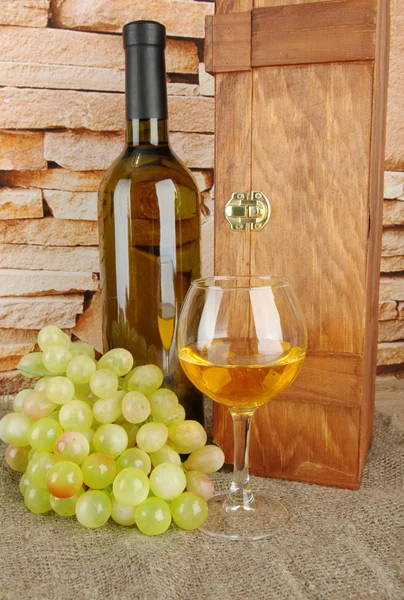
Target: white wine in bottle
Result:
[[149, 223]]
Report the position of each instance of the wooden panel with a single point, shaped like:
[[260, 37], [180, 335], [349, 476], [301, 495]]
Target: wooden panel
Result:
[[312, 154], [303, 442], [313, 33], [288, 2], [233, 168], [232, 42], [232, 173], [312, 162], [232, 165], [376, 221], [208, 44], [328, 379]]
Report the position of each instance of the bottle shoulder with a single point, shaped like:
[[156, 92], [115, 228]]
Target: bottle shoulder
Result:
[[148, 165]]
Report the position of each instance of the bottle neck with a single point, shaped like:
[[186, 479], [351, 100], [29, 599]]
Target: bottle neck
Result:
[[150, 132], [146, 95]]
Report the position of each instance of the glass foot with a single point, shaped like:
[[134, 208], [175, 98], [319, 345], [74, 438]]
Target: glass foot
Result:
[[256, 522]]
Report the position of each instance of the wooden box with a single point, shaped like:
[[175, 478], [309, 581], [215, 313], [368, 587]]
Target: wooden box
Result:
[[300, 116]]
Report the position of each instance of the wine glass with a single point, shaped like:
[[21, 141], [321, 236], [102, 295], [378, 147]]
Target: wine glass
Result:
[[242, 341]]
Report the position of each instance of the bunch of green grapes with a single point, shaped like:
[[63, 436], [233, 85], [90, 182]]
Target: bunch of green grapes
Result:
[[101, 439]]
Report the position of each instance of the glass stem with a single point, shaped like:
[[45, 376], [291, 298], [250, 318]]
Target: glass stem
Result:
[[240, 495]]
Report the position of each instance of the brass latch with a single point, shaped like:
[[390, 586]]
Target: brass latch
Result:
[[241, 212]]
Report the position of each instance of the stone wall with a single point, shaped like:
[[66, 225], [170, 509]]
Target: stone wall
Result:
[[391, 308], [61, 126]]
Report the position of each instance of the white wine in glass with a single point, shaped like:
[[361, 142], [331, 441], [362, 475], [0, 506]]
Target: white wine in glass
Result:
[[242, 341]]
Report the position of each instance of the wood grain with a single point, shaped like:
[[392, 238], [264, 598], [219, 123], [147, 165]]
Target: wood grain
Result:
[[302, 442], [232, 164], [316, 140], [259, 3], [328, 379], [313, 165], [375, 210], [313, 33], [232, 42], [208, 44]]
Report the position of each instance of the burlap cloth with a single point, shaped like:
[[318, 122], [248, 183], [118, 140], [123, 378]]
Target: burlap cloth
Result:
[[339, 545]]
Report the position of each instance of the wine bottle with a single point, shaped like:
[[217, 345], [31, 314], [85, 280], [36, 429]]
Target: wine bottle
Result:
[[149, 223]]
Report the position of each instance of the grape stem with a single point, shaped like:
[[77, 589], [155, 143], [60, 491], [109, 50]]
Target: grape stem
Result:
[[240, 497]]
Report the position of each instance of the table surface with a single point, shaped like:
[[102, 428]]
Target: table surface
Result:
[[390, 396], [339, 544]]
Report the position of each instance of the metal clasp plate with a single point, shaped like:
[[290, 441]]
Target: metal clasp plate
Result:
[[241, 212]]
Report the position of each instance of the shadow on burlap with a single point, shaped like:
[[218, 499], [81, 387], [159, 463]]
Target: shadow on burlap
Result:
[[339, 545]]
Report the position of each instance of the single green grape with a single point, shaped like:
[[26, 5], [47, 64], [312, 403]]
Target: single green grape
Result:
[[52, 336], [167, 481], [44, 433], [189, 511], [65, 507], [165, 454], [56, 358], [187, 436], [122, 514], [208, 459], [152, 436], [131, 432], [15, 429], [72, 446], [93, 509], [99, 470], [135, 407], [146, 379], [17, 457], [32, 363], [176, 416], [37, 406], [163, 403], [131, 486], [19, 400], [41, 384], [82, 349], [104, 383], [38, 467], [37, 499], [24, 483], [134, 457], [118, 360], [201, 484], [111, 439], [76, 415], [108, 410], [153, 516], [59, 390], [64, 479], [80, 369]]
